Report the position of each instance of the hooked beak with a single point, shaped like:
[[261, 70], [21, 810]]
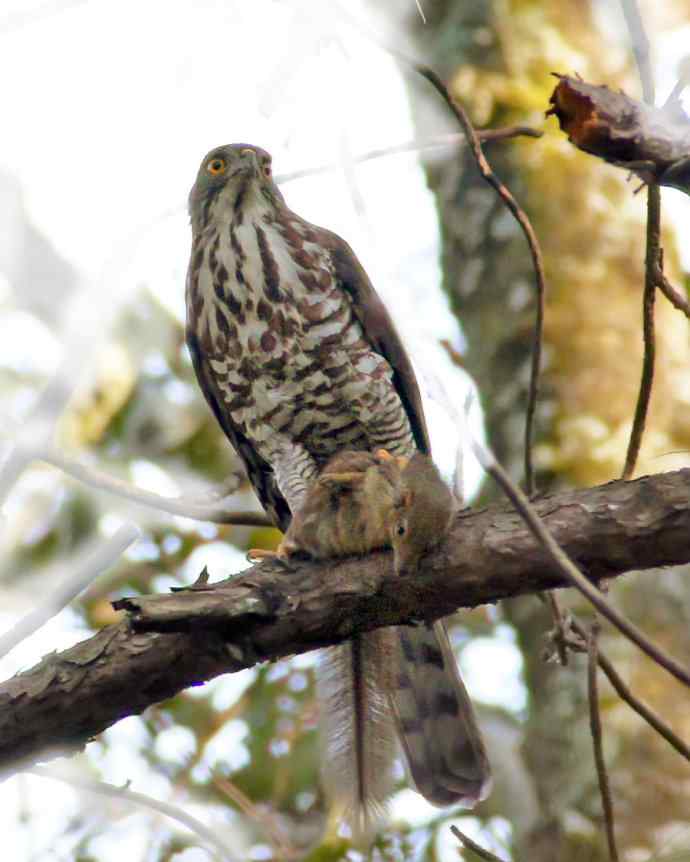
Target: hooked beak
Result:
[[250, 163]]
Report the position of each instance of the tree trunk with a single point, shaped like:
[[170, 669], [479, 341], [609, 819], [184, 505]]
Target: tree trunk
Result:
[[496, 59]]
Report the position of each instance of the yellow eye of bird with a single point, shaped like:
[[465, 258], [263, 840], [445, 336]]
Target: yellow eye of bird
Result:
[[216, 166]]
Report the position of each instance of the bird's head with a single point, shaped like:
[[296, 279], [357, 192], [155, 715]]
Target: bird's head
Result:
[[230, 179]]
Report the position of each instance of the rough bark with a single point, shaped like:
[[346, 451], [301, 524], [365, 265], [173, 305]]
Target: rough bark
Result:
[[184, 638]]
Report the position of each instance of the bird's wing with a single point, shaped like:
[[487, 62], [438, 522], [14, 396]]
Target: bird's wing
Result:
[[258, 470], [380, 331], [436, 720]]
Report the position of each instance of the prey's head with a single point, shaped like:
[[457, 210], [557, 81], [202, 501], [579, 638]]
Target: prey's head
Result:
[[231, 179], [422, 514]]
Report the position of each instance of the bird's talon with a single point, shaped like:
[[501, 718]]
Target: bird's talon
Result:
[[383, 455], [260, 555], [257, 555]]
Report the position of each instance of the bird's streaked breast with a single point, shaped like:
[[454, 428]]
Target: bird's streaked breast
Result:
[[281, 340]]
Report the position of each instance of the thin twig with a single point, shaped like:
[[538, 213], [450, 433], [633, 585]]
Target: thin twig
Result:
[[559, 633], [680, 85], [432, 143], [641, 708], [641, 50], [101, 481], [506, 132], [524, 222], [652, 257], [579, 644], [208, 836], [674, 296], [640, 46], [469, 844], [349, 175], [265, 821], [105, 554], [595, 727], [570, 571]]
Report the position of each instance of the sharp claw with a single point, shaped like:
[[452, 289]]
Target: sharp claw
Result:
[[279, 557], [256, 555], [383, 455]]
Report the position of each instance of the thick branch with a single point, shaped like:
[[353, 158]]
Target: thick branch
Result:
[[268, 612]]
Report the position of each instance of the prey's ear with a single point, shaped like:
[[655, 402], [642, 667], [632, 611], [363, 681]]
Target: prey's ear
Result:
[[406, 498], [334, 481]]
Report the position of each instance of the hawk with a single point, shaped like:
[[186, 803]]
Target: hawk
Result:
[[299, 360]]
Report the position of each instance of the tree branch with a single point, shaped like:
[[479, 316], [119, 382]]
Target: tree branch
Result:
[[170, 642], [475, 848], [652, 258], [653, 143], [572, 573], [175, 812], [595, 728]]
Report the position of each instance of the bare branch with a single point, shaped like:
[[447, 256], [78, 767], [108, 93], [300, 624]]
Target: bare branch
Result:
[[104, 555], [217, 513], [559, 636], [640, 46], [652, 258], [432, 143], [535, 250], [570, 571], [678, 87], [626, 695], [595, 728], [267, 823], [477, 849], [102, 788], [642, 51], [674, 296], [506, 132]]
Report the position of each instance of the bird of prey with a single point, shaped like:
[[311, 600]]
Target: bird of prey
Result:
[[299, 360]]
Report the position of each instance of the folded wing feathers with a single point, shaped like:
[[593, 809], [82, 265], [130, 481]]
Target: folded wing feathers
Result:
[[436, 721]]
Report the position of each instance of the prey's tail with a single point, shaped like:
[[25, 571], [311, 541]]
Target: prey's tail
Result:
[[358, 732]]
